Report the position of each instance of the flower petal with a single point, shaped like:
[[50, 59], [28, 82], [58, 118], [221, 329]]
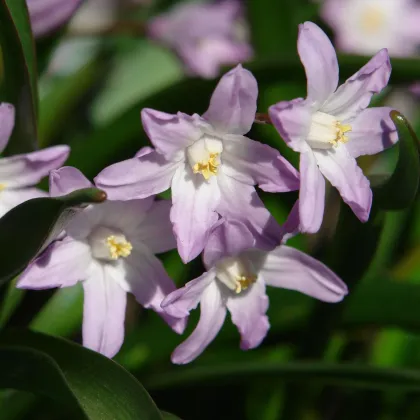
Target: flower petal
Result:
[[251, 162], [10, 198], [292, 269], [62, 264], [291, 227], [147, 280], [311, 194], [234, 102], [103, 312], [292, 120], [241, 202], [372, 131], [7, 122], [180, 302], [227, 239], [355, 94], [28, 169], [169, 133], [320, 61], [248, 312], [212, 316], [67, 179], [193, 211], [342, 171], [139, 177]]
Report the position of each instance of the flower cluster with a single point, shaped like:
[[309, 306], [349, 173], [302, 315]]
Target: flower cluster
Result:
[[212, 169]]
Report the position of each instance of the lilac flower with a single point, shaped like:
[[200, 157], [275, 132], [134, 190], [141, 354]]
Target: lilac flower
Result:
[[366, 26], [19, 173], [205, 36], [48, 15], [332, 127], [235, 280], [110, 247], [211, 167]]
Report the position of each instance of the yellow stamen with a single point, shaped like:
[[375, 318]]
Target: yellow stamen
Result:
[[2, 187], [209, 168], [118, 248], [372, 20], [243, 282], [341, 130]]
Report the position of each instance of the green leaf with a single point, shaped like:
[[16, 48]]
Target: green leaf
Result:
[[93, 386], [18, 76], [169, 416], [400, 190], [26, 229]]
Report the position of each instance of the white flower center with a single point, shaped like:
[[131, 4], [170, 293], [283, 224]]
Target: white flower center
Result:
[[203, 156], [107, 244], [236, 273], [326, 131], [372, 19]]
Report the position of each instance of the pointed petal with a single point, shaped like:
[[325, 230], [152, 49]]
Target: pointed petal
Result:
[[292, 120], [28, 169], [291, 227], [180, 302], [251, 162], [147, 280], [103, 312], [234, 102], [155, 231], [292, 269], [62, 264], [342, 171], [139, 177], [67, 179], [372, 132], [169, 133], [228, 239], [241, 202], [248, 311], [7, 122], [320, 61], [212, 316], [193, 211], [311, 194], [355, 94]]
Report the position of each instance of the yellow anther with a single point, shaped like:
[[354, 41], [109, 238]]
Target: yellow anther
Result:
[[118, 247], [2, 187], [209, 168], [341, 130], [372, 19], [243, 282]]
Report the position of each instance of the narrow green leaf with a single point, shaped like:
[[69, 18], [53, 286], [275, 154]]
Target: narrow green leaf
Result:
[[26, 229], [399, 191], [93, 386], [18, 81], [169, 416]]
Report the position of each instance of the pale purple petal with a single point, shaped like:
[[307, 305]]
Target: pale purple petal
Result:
[[169, 133], [180, 302], [147, 280], [7, 122], [28, 169], [320, 61], [67, 179], [156, 229], [241, 202], [234, 102], [193, 214], [292, 269], [62, 264], [103, 312], [311, 194], [292, 120], [252, 163], [355, 94], [227, 239], [248, 311], [212, 316], [144, 151], [342, 171], [372, 132], [139, 177], [291, 227]]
